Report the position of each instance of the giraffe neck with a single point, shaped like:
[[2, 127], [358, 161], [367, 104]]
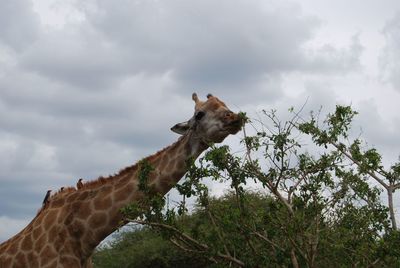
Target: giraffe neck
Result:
[[167, 167]]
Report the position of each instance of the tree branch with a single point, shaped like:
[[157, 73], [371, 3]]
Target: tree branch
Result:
[[192, 240], [372, 174], [218, 232], [266, 239]]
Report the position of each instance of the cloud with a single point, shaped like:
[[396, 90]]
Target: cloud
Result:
[[19, 24], [199, 44], [390, 56], [332, 60]]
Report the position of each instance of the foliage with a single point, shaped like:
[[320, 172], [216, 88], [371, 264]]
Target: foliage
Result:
[[143, 248], [316, 205]]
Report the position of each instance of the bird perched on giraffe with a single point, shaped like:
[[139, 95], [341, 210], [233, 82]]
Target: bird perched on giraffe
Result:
[[79, 184], [46, 198]]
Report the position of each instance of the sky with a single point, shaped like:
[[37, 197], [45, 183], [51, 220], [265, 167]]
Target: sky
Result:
[[89, 87]]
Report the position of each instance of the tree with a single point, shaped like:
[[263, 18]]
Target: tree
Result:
[[316, 206]]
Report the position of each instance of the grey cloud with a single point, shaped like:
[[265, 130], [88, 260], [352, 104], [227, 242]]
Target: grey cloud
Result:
[[19, 24], [23, 91], [390, 56], [333, 60], [76, 57], [203, 46], [223, 47]]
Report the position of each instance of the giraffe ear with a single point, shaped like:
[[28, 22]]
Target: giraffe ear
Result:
[[181, 128]]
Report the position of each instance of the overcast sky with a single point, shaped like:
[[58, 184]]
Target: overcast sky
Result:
[[89, 87]]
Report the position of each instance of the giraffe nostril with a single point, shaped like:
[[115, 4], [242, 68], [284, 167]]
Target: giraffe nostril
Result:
[[228, 114]]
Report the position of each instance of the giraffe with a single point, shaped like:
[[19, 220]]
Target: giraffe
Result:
[[65, 231]]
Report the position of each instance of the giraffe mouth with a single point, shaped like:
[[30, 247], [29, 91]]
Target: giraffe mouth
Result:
[[234, 126]]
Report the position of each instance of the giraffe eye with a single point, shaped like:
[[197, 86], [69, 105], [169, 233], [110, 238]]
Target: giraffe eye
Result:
[[199, 115]]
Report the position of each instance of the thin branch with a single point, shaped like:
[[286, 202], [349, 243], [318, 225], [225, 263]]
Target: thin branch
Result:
[[218, 232], [195, 242], [171, 228], [176, 243], [294, 244], [374, 262], [266, 239], [372, 174], [277, 194], [294, 258], [190, 250], [396, 186]]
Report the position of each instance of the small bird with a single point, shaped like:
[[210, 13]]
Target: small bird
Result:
[[46, 198], [61, 189], [79, 184]]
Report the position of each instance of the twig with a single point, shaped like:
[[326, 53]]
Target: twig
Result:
[[195, 242], [266, 239], [171, 228], [218, 232], [372, 174]]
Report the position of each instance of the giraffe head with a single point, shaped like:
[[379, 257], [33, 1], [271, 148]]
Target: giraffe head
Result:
[[212, 120]]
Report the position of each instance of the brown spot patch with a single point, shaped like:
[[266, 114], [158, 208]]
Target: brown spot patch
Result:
[[101, 234], [39, 244], [97, 220], [115, 220], [14, 247], [170, 167], [90, 241], [72, 197], [164, 185], [59, 240], [57, 203], [84, 211], [102, 203], [53, 263], [26, 243], [68, 219], [47, 255], [20, 261], [75, 206], [105, 189], [39, 219], [180, 165], [67, 261], [32, 259], [76, 229], [50, 218], [53, 233], [164, 162], [121, 183], [6, 262], [123, 193], [36, 232], [83, 195]]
